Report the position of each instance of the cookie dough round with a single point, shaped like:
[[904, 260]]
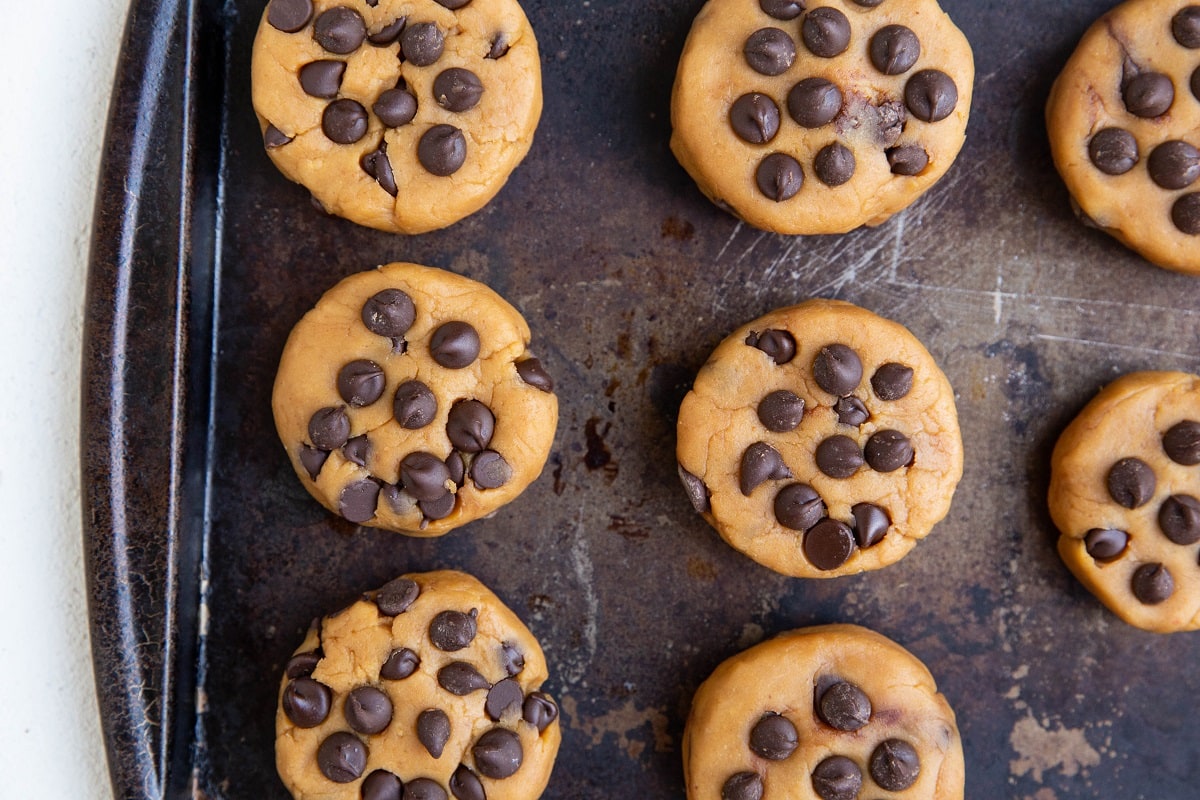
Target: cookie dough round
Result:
[[1124, 123], [407, 400], [820, 116], [429, 686], [820, 440], [402, 115], [835, 712], [1125, 495]]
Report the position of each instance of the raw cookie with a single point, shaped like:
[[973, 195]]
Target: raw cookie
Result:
[[836, 712], [402, 115], [1124, 489], [407, 400], [1124, 122], [428, 688], [820, 116], [820, 440]]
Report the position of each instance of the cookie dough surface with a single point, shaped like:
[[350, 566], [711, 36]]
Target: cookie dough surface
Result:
[[820, 440], [402, 115], [1124, 123], [822, 116], [835, 712], [1124, 489], [407, 400]]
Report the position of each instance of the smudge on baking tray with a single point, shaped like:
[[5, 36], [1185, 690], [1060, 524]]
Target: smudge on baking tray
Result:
[[1041, 748], [628, 723]]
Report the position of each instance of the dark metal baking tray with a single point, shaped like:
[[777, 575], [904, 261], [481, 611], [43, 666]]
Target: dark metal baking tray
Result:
[[207, 559]]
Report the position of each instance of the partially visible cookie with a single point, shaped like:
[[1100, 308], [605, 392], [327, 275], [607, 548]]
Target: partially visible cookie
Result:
[[1124, 122], [402, 115], [836, 712], [1125, 495], [820, 440], [820, 116], [407, 399], [428, 688]]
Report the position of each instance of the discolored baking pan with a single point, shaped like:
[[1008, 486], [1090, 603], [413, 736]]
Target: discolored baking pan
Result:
[[207, 559]]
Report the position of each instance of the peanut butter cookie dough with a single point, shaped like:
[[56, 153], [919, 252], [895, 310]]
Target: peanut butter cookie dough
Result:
[[1124, 122], [425, 689], [836, 712], [1124, 489], [402, 115], [407, 400], [820, 440], [820, 116]]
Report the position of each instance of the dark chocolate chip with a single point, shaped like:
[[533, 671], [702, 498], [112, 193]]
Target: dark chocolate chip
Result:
[[834, 164], [798, 507], [388, 33], [424, 476], [837, 369], [1185, 27], [400, 501], [442, 150], [1174, 164], [273, 137], [1186, 214], [769, 51], [839, 456], [1113, 151], [1181, 443], [460, 678], [892, 381], [844, 707], [378, 166], [1131, 482], [454, 345], [781, 411], [837, 778], [302, 665], [453, 5], [888, 451], [868, 3], [289, 16], [1105, 544], [389, 313], [340, 30], [782, 9], [433, 730], [465, 785], [361, 382], [457, 467], [909, 159], [930, 95], [498, 754], [826, 32], [470, 426], [422, 44], [894, 49], [1152, 584], [457, 89], [440, 508], [511, 658], [395, 597], [357, 451], [779, 177], [1179, 518], [890, 119], [312, 460], [760, 463], [489, 470], [424, 789], [1195, 83], [400, 664], [499, 48], [742, 786], [774, 737], [754, 118], [358, 501], [533, 373], [779, 345], [697, 492], [368, 710], [851, 411], [814, 102], [382, 785], [505, 696], [539, 710], [306, 702], [344, 121], [895, 765], [329, 428], [414, 406], [1148, 94], [451, 631], [871, 524], [342, 757], [395, 107], [322, 78], [829, 544]]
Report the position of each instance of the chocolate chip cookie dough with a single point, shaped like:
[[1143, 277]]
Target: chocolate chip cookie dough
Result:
[[427, 688], [836, 712], [820, 116], [407, 399], [1124, 489], [402, 115], [820, 440], [1124, 121]]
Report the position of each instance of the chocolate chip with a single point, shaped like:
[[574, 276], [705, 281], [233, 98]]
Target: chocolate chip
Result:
[[1186, 214], [398, 500], [779, 177], [1185, 26], [388, 33], [826, 32], [754, 118], [781, 411], [358, 501], [1113, 151], [302, 665], [851, 411], [539, 710], [894, 49], [457, 467], [890, 120], [498, 753], [470, 426], [1105, 544], [697, 492], [342, 757], [422, 44], [814, 102], [1152, 584], [453, 5], [344, 121], [489, 470], [1174, 164], [400, 664], [888, 451], [465, 785], [389, 313], [760, 463], [837, 778], [357, 451], [322, 78], [798, 507], [361, 382], [440, 508], [1131, 482], [533, 373], [834, 164], [329, 428], [454, 345], [871, 524], [424, 789], [340, 30], [838, 456], [273, 137], [499, 48], [382, 785], [312, 460], [414, 406], [844, 707], [378, 166], [306, 702], [829, 544], [868, 3], [742, 786], [895, 765], [433, 730], [505, 696], [511, 658], [837, 369], [451, 631], [289, 16], [1148, 94], [1195, 83], [774, 737], [769, 51], [930, 95], [460, 678], [782, 9], [395, 597], [1181, 443], [368, 710], [424, 476], [892, 381], [908, 160], [779, 345], [1179, 518], [457, 89]]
